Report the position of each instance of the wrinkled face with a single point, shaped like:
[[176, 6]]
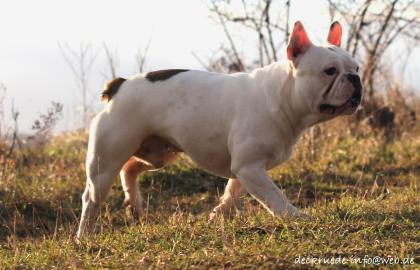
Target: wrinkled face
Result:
[[327, 78]]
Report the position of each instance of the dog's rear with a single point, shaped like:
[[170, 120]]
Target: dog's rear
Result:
[[116, 145]]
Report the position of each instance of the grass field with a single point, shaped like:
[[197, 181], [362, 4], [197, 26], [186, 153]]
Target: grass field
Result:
[[362, 196]]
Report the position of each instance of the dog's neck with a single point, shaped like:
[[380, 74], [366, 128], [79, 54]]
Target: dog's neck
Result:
[[277, 83]]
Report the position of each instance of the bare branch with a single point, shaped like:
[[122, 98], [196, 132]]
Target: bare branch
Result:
[[229, 37], [15, 138], [3, 90], [199, 60], [359, 28], [141, 57], [286, 32], [270, 34], [80, 63], [112, 60]]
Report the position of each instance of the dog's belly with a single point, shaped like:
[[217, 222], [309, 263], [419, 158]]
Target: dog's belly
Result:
[[156, 150], [216, 163], [211, 156]]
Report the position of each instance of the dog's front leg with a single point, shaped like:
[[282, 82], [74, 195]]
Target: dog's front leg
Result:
[[233, 191], [254, 178]]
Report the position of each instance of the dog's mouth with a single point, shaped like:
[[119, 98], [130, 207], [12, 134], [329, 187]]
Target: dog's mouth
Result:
[[348, 107]]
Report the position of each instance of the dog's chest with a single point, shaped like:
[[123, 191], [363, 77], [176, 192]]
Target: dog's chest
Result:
[[278, 155]]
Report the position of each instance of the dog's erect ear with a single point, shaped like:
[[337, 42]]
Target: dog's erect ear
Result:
[[298, 42], [334, 36]]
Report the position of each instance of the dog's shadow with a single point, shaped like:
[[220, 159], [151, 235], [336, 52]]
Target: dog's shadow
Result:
[[190, 190], [38, 217]]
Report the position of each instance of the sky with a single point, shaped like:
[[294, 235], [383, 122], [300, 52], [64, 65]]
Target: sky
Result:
[[35, 73]]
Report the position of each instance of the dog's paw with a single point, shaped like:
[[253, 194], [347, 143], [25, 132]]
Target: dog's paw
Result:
[[133, 214], [217, 211], [303, 215], [212, 216], [296, 213]]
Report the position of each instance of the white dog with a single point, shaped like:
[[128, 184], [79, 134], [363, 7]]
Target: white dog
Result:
[[237, 126]]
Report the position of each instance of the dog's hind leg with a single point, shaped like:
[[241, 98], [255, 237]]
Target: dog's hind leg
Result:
[[109, 148], [128, 174], [233, 191], [98, 183], [153, 154]]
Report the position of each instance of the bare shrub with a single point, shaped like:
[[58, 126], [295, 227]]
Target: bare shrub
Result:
[[8, 143], [44, 125]]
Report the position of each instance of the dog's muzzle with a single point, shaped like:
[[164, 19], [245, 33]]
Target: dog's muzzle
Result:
[[351, 104]]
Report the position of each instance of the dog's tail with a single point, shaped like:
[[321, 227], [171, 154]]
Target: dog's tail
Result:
[[111, 88]]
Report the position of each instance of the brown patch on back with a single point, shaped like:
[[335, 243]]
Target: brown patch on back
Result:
[[162, 75], [111, 88]]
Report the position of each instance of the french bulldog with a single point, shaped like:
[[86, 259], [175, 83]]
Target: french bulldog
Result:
[[236, 126]]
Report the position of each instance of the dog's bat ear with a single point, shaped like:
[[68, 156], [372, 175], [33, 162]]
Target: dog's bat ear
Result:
[[334, 36], [298, 42]]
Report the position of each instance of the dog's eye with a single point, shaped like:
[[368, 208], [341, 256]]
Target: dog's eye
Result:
[[330, 71], [357, 69]]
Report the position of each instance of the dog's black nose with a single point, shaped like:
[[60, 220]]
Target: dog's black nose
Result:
[[355, 81], [356, 98]]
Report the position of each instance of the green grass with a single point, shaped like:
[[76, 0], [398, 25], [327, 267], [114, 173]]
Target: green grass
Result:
[[363, 198]]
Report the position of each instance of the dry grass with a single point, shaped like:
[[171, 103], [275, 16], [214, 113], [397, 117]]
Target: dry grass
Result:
[[362, 194]]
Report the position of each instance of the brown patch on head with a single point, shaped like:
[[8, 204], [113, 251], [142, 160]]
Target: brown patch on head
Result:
[[111, 88], [162, 75]]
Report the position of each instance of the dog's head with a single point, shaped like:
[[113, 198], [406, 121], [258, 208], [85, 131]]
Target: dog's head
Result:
[[326, 77]]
